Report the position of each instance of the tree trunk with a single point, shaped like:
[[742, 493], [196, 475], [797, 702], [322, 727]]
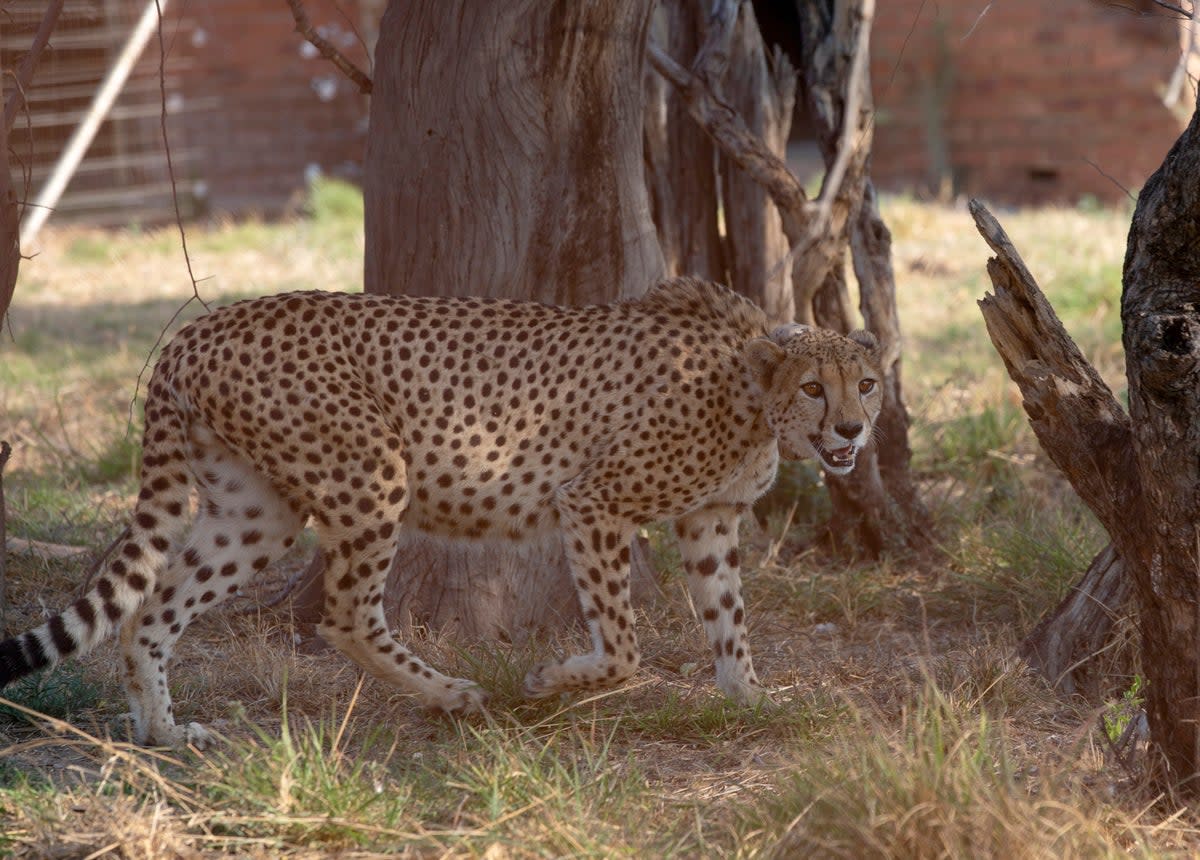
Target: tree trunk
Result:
[[505, 159], [1086, 433], [1160, 316], [689, 184], [763, 91], [1139, 473], [680, 160]]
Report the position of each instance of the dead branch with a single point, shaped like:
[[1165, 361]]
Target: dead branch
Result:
[[24, 73], [1074, 414], [10, 214], [806, 224], [1084, 430], [730, 133], [855, 87], [305, 28]]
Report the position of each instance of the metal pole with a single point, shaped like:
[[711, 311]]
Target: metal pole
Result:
[[81, 139]]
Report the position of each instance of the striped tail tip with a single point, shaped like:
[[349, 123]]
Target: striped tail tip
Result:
[[15, 664]]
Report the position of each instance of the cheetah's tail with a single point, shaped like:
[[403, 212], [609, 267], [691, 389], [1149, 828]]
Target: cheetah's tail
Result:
[[134, 565]]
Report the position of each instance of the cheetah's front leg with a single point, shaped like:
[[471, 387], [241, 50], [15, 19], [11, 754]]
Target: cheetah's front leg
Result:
[[708, 543], [597, 549]]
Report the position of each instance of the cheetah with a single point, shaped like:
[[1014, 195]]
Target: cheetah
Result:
[[472, 419]]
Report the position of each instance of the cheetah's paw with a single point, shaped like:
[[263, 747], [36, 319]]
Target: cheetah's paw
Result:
[[180, 737], [458, 698], [540, 681], [750, 694]]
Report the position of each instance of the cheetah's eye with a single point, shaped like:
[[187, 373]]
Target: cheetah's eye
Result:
[[866, 386], [812, 389]]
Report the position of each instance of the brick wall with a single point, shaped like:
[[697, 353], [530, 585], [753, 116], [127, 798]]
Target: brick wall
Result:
[[260, 108], [1013, 103]]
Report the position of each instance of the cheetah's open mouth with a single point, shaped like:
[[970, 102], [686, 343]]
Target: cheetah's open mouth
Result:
[[835, 458]]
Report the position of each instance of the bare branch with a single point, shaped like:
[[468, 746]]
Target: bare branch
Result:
[[855, 86], [749, 152], [24, 72], [806, 224], [305, 28], [730, 133], [1173, 7]]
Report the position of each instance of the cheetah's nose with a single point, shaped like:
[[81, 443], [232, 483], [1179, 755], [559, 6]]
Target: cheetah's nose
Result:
[[848, 430]]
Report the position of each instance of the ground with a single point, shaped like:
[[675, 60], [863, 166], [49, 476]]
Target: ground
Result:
[[905, 725]]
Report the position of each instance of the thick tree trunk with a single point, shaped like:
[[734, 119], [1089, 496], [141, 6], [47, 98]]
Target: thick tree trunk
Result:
[[1160, 315], [545, 200], [505, 159], [1139, 473]]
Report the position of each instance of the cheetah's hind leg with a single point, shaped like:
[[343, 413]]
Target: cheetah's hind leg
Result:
[[243, 525]]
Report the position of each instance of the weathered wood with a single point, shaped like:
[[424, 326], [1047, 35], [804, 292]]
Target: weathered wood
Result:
[[1085, 432], [700, 89], [505, 153], [1139, 473], [1077, 420], [1160, 315], [1066, 643], [763, 92], [680, 161]]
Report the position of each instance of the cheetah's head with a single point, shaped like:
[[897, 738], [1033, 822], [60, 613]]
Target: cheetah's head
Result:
[[820, 391]]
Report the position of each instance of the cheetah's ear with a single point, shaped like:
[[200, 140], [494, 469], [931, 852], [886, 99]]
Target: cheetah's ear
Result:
[[787, 331], [866, 340], [762, 357]]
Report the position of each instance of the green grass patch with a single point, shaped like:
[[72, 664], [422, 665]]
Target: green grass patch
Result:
[[1014, 568], [64, 692]]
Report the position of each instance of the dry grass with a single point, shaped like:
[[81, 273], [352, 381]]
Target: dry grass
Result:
[[905, 726]]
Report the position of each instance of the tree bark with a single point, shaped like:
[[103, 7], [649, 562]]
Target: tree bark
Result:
[[1160, 316], [504, 159], [1139, 473], [680, 160], [1065, 645], [763, 92], [690, 184], [1085, 432]]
